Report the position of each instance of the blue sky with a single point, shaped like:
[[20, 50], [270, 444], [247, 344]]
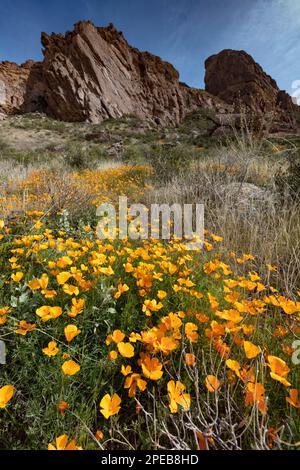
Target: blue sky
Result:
[[184, 32]]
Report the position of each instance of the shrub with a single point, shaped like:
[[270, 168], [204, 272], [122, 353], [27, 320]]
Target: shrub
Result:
[[170, 161], [76, 157], [3, 146], [288, 178]]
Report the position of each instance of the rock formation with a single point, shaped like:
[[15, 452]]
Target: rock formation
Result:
[[91, 74], [13, 84], [21, 87], [237, 79]]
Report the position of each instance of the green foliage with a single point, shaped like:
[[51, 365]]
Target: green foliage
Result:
[[36, 121], [288, 179], [170, 161], [76, 158], [135, 154], [202, 119]]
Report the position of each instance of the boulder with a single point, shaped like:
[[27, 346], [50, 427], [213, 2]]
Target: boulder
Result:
[[115, 150], [247, 198]]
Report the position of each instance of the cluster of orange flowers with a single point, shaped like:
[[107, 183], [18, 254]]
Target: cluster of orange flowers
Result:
[[180, 298], [99, 186]]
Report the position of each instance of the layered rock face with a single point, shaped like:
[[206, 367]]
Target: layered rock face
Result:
[[237, 79], [92, 74], [21, 87], [13, 84]]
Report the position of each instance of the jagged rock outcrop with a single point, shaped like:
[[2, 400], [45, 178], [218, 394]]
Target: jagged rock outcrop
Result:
[[13, 84], [93, 73], [21, 87], [237, 79]]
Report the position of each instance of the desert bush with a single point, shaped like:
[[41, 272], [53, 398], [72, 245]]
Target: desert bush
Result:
[[76, 157], [79, 156], [169, 161], [288, 177], [136, 154]]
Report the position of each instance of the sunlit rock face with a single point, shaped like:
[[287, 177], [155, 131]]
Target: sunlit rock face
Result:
[[21, 87], [13, 83], [93, 73]]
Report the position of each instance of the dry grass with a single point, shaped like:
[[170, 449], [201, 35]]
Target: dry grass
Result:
[[237, 185]]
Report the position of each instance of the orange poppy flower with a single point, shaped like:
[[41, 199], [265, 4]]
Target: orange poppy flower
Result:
[[279, 369], [212, 383], [63, 406], [125, 349], [255, 394], [135, 381], [24, 327], [191, 331], [152, 368], [51, 350], [293, 398], [71, 331], [61, 443], [126, 370], [6, 394], [177, 396], [70, 367], [190, 359], [251, 350], [117, 337], [234, 366], [110, 406]]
